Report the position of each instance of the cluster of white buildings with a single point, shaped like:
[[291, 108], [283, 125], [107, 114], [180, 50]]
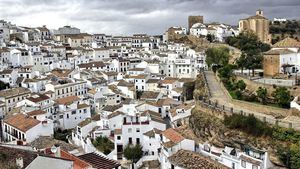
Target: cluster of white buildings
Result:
[[129, 89], [218, 31]]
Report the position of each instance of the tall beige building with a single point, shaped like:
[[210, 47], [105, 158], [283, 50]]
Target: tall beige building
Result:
[[257, 24]]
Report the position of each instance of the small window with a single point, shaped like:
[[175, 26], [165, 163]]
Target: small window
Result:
[[254, 167], [130, 130], [243, 164], [118, 137], [137, 130]]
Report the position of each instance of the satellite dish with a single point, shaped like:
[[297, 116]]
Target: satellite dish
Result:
[[53, 149]]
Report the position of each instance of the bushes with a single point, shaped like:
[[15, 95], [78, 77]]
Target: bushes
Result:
[[248, 124], [103, 144], [262, 94], [62, 134], [290, 155], [282, 96], [217, 56], [284, 134], [133, 152]]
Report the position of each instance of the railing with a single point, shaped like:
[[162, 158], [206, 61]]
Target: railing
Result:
[[135, 123], [206, 83]]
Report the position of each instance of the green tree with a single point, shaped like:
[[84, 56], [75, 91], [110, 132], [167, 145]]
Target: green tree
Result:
[[295, 156], [217, 56], [261, 93], [226, 71], [282, 96], [3, 85], [210, 37], [241, 62], [133, 152], [290, 155], [241, 85], [188, 90], [103, 144], [251, 48]]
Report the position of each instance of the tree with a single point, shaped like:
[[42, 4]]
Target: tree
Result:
[[3, 85], [210, 37], [290, 155], [295, 156], [217, 56], [241, 62], [188, 90], [226, 71], [133, 152], [103, 144], [262, 94], [282, 96], [251, 48], [241, 85]]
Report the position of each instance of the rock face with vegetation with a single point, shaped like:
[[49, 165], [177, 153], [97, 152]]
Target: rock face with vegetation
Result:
[[201, 90], [236, 131], [205, 125]]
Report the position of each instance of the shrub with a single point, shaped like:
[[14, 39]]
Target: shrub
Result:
[[103, 144], [282, 96], [248, 124], [133, 152]]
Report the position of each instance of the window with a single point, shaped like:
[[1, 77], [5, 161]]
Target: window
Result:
[[118, 137], [137, 130], [130, 130], [254, 167], [243, 163], [74, 112], [130, 140], [137, 140]]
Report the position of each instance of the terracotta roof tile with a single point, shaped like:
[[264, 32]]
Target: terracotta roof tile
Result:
[[192, 160], [38, 98], [287, 43], [22, 122], [172, 135], [67, 100], [99, 162], [36, 112]]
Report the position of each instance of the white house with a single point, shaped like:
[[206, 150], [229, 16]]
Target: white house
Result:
[[23, 128]]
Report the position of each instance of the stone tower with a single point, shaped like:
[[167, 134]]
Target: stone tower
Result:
[[193, 20], [257, 24]]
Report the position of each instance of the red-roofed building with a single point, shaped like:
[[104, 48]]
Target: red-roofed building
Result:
[[24, 128], [172, 142]]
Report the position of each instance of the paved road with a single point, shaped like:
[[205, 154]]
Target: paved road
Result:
[[219, 95], [215, 88]]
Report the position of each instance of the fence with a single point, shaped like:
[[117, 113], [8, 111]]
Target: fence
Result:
[[278, 82], [262, 117], [206, 83]]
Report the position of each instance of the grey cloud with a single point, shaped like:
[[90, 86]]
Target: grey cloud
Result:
[[136, 16]]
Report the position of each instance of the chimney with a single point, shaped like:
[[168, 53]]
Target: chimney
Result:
[[260, 12], [55, 149], [19, 161]]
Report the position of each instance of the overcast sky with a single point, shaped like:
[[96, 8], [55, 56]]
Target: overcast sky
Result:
[[125, 17]]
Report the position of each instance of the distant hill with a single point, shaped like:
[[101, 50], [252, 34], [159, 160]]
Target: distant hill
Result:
[[281, 30]]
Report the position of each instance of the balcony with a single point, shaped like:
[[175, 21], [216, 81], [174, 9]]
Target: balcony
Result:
[[136, 123]]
